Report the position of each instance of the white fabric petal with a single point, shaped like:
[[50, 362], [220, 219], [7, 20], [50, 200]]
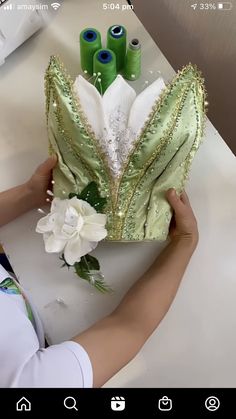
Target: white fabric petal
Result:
[[100, 219], [53, 244], [93, 232], [119, 95], [91, 103], [143, 104], [76, 248], [83, 207], [67, 232], [58, 205], [71, 216], [118, 117], [44, 225]]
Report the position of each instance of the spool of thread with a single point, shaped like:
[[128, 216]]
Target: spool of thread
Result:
[[116, 41], [90, 42], [104, 68], [132, 69]]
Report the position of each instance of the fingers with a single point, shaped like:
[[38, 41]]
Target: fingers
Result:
[[184, 198], [180, 204], [175, 201], [46, 167], [184, 218]]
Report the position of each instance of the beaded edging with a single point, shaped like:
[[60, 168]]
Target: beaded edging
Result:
[[114, 184]]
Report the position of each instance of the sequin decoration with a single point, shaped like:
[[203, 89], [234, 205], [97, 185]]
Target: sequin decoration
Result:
[[160, 157]]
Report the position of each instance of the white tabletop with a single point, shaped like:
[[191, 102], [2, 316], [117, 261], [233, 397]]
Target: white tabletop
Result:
[[195, 344]]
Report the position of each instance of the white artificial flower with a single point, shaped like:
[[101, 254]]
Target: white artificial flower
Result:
[[73, 226]]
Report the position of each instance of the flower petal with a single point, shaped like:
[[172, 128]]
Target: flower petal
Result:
[[71, 216], [67, 232], [44, 224], [99, 219], [53, 244], [76, 248], [59, 205], [91, 103], [82, 207], [93, 232]]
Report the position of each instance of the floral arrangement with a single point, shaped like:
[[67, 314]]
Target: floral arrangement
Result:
[[73, 227]]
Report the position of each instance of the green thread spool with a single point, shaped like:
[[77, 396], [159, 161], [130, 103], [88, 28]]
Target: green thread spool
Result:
[[116, 41], [90, 42], [132, 69], [104, 68]]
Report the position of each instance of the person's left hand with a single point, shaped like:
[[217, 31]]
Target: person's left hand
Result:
[[40, 182]]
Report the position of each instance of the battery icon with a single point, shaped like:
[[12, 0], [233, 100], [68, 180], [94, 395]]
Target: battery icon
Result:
[[225, 6]]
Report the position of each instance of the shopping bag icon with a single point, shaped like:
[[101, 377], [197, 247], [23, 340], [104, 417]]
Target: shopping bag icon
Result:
[[165, 404]]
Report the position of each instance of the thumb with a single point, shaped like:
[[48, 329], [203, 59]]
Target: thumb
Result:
[[174, 201], [46, 167]]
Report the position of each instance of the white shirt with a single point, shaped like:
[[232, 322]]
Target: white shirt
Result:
[[24, 360]]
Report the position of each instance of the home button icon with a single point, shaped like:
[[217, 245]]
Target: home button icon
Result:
[[23, 405]]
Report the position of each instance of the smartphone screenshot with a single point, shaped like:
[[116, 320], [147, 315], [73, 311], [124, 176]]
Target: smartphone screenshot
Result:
[[117, 208]]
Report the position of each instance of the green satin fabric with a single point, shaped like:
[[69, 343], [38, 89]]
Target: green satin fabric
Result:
[[136, 205]]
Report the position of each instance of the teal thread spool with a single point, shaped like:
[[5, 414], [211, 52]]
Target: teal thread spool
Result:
[[90, 42], [116, 41], [132, 69], [104, 69]]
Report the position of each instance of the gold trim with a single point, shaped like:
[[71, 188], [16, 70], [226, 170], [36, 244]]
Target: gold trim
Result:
[[197, 141], [58, 62], [114, 184], [158, 103], [51, 95], [160, 147]]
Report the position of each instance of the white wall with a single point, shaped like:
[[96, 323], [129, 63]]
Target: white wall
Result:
[[207, 38]]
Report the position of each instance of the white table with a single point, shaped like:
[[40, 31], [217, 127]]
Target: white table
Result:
[[195, 344]]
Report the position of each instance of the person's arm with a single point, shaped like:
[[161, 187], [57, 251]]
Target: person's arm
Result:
[[115, 340], [32, 194]]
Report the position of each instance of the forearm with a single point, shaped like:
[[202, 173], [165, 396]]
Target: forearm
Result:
[[122, 334], [150, 298], [113, 341], [15, 202]]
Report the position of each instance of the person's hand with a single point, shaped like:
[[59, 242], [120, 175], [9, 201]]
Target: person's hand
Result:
[[40, 182], [183, 224]]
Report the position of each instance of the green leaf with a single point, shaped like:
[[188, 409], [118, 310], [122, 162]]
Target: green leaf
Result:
[[90, 262], [81, 271], [89, 269], [87, 263], [91, 194]]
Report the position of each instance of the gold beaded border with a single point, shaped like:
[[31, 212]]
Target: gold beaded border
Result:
[[198, 138], [162, 145], [50, 87], [158, 104], [115, 183], [156, 109]]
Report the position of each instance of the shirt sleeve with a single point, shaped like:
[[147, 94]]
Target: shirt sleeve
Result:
[[63, 365], [24, 364]]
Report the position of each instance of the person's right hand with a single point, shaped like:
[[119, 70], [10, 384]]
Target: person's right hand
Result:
[[183, 224]]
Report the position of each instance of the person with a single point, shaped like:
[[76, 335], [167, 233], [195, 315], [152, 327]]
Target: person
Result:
[[92, 357]]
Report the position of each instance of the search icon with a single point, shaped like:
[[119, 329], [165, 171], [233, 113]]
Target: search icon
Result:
[[70, 403]]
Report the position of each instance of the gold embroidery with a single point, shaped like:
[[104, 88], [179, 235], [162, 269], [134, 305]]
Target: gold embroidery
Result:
[[163, 143], [117, 223], [50, 89]]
